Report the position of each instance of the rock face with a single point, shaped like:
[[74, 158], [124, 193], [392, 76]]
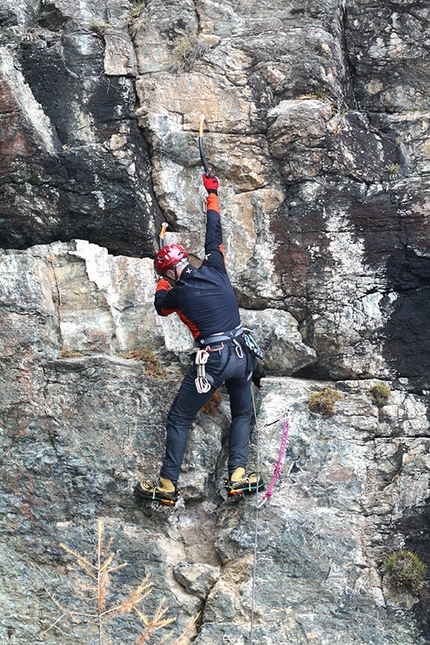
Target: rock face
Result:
[[317, 123], [73, 160]]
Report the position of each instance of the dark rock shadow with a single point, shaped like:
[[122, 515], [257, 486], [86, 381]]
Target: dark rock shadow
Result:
[[407, 333]]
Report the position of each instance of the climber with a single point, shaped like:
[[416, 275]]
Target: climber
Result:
[[205, 302]]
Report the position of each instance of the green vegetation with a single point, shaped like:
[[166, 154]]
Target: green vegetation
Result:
[[317, 93], [380, 394], [324, 400], [406, 569], [321, 93], [394, 169], [138, 9]]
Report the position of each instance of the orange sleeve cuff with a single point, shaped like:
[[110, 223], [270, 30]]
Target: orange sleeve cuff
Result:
[[212, 202], [163, 285]]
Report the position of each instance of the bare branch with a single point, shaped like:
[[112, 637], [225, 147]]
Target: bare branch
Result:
[[189, 632], [83, 562]]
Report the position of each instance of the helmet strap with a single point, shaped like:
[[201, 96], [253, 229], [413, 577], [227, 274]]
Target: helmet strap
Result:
[[175, 270], [170, 278], [182, 263]]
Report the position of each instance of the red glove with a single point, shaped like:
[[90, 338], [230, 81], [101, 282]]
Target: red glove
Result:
[[211, 183]]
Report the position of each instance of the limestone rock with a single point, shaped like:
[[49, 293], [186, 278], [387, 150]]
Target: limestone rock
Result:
[[281, 342], [120, 56], [73, 166], [197, 579], [317, 127], [390, 71]]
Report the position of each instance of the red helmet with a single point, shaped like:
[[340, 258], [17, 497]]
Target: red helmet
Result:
[[168, 257]]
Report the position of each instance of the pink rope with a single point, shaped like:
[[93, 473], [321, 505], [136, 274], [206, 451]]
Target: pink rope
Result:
[[277, 471]]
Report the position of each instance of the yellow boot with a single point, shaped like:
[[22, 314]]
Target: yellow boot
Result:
[[162, 490], [240, 482]]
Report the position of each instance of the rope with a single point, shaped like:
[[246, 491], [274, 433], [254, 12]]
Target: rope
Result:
[[267, 495], [254, 567]]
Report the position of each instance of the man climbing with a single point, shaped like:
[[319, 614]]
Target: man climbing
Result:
[[205, 302]]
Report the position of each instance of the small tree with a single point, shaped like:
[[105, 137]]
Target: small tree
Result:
[[96, 608]]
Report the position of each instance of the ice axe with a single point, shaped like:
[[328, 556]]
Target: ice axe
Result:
[[202, 152], [161, 235]]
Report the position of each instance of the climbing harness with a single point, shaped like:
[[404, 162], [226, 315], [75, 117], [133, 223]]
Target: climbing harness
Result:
[[223, 335], [202, 152], [258, 505], [202, 383]]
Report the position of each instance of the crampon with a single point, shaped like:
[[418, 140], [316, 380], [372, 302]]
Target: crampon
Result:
[[153, 491], [242, 483]]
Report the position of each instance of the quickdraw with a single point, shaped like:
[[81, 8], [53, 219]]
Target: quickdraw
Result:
[[251, 343], [202, 383], [278, 465]]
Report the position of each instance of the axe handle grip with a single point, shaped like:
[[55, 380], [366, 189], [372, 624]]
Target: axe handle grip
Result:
[[202, 157], [202, 152]]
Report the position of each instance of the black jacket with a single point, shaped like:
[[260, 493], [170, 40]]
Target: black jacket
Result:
[[203, 298]]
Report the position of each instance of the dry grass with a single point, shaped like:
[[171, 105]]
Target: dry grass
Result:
[[187, 51], [213, 405], [152, 364], [324, 400], [69, 354]]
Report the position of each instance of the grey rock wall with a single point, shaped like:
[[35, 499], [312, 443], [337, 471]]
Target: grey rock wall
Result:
[[317, 127]]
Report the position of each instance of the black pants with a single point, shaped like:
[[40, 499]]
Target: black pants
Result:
[[233, 365]]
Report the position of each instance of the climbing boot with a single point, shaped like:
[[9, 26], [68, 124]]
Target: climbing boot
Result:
[[240, 482], [161, 490]]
